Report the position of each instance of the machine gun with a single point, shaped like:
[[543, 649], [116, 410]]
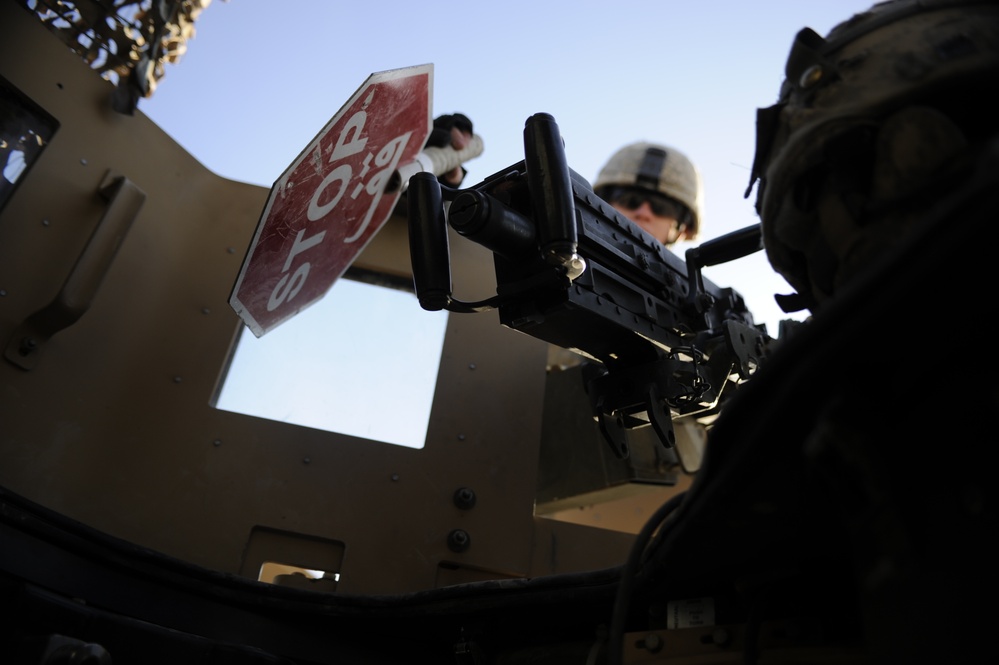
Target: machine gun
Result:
[[574, 272]]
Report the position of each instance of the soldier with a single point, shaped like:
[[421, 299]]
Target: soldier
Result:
[[655, 186], [850, 482], [869, 135]]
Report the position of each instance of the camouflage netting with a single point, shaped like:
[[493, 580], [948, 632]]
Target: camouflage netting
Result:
[[127, 41]]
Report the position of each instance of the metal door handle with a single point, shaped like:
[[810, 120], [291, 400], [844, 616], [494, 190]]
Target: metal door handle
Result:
[[125, 200]]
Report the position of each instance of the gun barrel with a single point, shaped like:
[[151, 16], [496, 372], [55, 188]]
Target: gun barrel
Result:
[[485, 220]]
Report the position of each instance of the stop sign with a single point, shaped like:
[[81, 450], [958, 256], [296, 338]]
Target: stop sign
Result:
[[332, 200]]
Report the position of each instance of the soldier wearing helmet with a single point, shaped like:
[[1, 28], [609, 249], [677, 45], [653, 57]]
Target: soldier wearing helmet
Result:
[[655, 186], [869, 434], [874, 124]]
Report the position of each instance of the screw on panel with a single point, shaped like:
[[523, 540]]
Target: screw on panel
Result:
[[458, 540], [461, 437], [721, 637], [653, 643], [471, 365], [28, 345], [177, 379], [217, 442], [464, 498], [395, 477]]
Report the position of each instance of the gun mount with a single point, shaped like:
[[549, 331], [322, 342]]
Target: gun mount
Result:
[[574, 272]]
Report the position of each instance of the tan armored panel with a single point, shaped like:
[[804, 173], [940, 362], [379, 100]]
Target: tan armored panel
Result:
[[118, 251]]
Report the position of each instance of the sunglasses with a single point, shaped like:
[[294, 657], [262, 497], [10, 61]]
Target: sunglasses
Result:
[[632, 199]]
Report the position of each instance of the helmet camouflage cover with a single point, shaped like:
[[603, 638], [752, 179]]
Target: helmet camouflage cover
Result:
[[871, 123], [660, 168]]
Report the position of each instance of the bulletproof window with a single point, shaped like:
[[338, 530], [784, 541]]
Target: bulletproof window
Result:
[[25, 130], [362, 361]]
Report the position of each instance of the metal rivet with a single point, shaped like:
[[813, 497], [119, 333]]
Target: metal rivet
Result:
[[83, 161], [205, 310], [176, 379], [471, 365], [653, 643], [461, 437], [28, 345], [231, 250], [464, 498], [45, 222], [458, 540], [217, 442], [395, 477], [3, 292], [305, 460]]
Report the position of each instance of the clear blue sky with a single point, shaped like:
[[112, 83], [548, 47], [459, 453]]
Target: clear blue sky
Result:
[[261, 78]]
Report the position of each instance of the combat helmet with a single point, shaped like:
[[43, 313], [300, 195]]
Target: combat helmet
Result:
[[660, 168], [872, 122]]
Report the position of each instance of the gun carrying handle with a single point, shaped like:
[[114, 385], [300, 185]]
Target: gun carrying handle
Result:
[[77, 294], [729, 247], [722, 249]]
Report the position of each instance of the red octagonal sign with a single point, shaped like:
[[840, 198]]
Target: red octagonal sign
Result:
[[333, 199]]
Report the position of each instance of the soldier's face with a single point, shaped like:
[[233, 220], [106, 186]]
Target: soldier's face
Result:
[[664, 228]]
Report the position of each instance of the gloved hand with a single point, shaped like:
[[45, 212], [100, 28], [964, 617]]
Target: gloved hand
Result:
[[441, 135], [454, 129]]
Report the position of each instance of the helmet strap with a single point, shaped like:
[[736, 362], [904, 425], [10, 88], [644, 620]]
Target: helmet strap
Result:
[[651, 168]]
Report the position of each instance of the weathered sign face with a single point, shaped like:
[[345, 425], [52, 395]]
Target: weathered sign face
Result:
[[327, 206]]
